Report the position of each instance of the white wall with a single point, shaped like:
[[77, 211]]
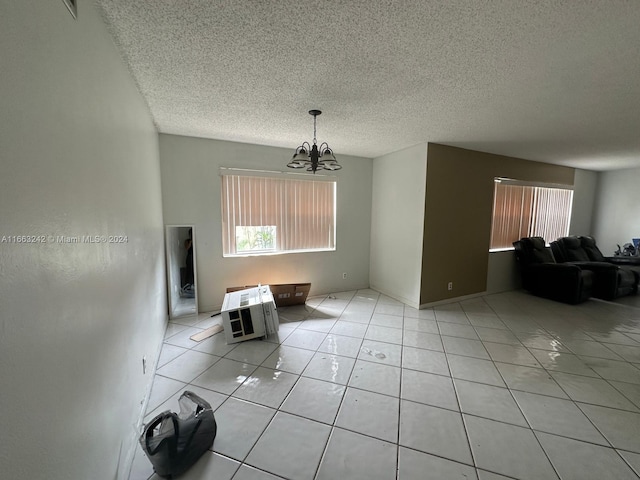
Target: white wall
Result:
[[503, 274], [79, 156], [584, 195], [397, 223], [616, 215], [191, 195]]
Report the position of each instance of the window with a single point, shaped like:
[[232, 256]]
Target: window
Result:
[[255, 239], [269, 213], [526, 210]]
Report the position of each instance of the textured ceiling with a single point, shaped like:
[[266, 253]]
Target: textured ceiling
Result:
[[547, 80]]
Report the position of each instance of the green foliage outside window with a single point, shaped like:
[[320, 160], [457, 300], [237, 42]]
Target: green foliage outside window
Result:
[[255, 238]]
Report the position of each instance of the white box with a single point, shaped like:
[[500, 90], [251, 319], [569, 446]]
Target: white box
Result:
[[248, 314]]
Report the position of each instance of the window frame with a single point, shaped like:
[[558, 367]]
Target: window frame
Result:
[[533, 213], [286, 205]]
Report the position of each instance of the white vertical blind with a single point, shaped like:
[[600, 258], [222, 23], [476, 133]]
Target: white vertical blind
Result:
[[303, 210], [529, 211]]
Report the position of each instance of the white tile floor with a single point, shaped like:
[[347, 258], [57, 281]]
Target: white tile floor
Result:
[[358, 386]]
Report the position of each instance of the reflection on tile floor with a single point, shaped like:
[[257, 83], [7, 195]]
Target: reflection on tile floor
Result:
[[358, 385]]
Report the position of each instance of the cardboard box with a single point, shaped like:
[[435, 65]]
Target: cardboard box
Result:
[[288, 294], [284, 294], [235, 289]]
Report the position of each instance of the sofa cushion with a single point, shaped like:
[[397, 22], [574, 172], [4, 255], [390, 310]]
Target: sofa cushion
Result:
[[537, 242], [593, 252], [539, 251], [573, 250], [543, 256]]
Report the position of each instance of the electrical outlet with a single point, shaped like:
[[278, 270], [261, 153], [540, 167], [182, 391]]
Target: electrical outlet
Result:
[[344, 275], [450, 286], [144, 365]]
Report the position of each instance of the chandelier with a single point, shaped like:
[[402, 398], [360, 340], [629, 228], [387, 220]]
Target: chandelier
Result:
[[313, 157]]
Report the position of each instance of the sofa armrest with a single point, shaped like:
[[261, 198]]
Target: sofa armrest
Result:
[[555, 272], [633, 261], [605, 272], [608, 278], [556, 268], [559, 281]]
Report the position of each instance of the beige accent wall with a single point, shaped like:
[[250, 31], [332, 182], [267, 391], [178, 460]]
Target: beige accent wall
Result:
[[458, 206]]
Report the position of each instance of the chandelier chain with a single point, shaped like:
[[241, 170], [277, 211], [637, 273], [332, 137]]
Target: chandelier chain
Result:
[[314, 130]]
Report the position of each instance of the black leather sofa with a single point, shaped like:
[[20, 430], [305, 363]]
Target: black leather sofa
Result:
[[611, 281], [594, 253], [544, 277]]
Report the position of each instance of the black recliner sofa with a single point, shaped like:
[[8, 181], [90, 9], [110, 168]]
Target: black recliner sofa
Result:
[[544, 277], [589, 245], [611, 281]]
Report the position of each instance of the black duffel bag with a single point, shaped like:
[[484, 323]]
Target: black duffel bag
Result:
[[173, 442]]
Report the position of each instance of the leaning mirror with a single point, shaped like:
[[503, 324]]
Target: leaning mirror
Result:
[[181, 270]]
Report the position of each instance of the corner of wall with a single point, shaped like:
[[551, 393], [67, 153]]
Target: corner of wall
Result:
[[585, 185], [397, 216], [457, 220]]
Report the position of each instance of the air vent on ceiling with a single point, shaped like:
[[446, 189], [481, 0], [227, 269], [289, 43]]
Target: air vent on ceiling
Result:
[[72, 6]]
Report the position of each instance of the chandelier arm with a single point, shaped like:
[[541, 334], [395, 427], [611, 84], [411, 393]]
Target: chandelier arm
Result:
[[305, 146]]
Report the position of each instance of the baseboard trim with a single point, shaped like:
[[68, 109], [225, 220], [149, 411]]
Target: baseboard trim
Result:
[[395, 296], [453, 300]]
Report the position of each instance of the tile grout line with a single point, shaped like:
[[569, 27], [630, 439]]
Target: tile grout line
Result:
[[535, 432], [525, 417], [335, 418], [464, 422], [613, 447], [506, 306], [270, 421]]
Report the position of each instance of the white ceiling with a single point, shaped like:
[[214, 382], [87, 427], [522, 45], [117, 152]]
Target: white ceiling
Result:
[[547, 80]]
